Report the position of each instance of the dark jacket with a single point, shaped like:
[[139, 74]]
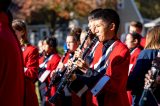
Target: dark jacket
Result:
[[136, 77]]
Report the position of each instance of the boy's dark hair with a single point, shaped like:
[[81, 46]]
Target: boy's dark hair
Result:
[[136, 24], [93, 12], [136, 36], [51, 41], [110, 16]]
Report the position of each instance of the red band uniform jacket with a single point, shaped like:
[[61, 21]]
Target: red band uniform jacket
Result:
[[50, 66], [11, 66], [30, 56], [118, 63], [143, 42], [114, 91], [134, 55], [66, 58]]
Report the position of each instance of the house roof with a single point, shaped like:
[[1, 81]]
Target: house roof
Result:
[[152, 23]]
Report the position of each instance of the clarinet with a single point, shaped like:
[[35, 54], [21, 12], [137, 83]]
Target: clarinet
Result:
[[67, 75], [94, 40], [57, 76], [148, 87]]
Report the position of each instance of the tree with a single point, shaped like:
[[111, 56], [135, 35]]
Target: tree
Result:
[[149, 8], [53, 11]]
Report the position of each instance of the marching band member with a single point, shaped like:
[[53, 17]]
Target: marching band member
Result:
[[47, 64], [86, 97], [106, 77], [30, 57], [133, 42], [72, 41], [11, 61]]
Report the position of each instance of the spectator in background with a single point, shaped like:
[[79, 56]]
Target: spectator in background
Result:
[[30, 57], [136, 26], [11, 62]]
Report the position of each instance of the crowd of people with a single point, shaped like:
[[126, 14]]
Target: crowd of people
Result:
[[97, 68]]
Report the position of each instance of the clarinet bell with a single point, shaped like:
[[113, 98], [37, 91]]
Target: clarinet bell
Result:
[[47, 92], [53, 98]]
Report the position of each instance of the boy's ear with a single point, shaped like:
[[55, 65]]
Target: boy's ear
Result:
[[136, 41], [112, 26]]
